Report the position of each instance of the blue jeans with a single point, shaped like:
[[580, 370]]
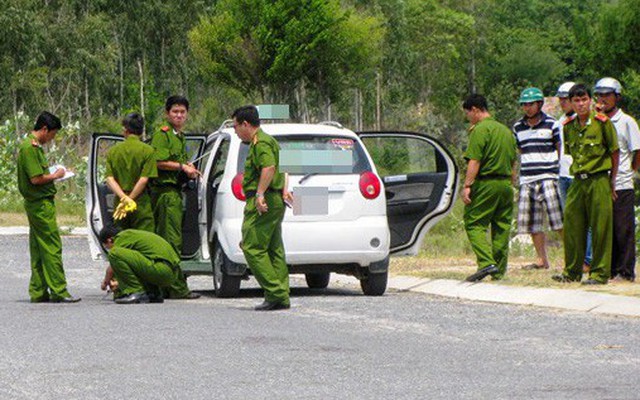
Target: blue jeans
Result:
[[563, 184]]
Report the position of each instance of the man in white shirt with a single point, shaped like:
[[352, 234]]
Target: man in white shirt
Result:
[[608, 94]]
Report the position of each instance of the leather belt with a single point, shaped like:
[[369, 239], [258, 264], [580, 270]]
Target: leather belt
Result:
[[587, 176]]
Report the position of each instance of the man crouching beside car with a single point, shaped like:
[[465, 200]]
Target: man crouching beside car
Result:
[[141, 264]]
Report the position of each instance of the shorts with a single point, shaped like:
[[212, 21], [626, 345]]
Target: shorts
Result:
[[535, 197]]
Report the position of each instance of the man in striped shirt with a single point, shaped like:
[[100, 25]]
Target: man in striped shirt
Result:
[[538, 140]]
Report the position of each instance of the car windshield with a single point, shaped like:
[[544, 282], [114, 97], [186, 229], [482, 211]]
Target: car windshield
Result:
[[315, 154]]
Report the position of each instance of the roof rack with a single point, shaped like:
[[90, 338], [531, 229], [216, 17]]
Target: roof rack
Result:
[[332, 123]]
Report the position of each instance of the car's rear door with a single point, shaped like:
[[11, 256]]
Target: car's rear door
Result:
[[420, 179], [100, 199]]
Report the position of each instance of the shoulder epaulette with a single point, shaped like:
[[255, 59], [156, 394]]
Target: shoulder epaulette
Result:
[[601, 117], [165, 128], [569, 119]]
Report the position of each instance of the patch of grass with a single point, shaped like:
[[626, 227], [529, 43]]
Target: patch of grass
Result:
[[69, 213], [447, 254]]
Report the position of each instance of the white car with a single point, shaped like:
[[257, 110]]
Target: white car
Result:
[[358, 198]]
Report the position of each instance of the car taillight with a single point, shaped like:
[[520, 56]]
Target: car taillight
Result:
[[369, 185], [236, 187]]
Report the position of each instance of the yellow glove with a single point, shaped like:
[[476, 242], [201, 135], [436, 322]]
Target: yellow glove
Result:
[[125, 206], [119, 212]]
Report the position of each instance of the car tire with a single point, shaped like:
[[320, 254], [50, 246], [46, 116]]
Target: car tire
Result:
[[225, 285], [374, 284], [318, 280]]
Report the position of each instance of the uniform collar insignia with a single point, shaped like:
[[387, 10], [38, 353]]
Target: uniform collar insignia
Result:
[[165, 128]]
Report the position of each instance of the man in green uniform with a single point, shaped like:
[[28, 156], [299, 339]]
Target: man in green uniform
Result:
[[591, 139], [487, 192], [48, 282], [166, 193], [141, 263], [130, 164], [264, 188]]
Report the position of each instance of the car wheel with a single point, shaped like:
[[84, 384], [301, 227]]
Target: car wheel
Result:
[[317, 280], [224, 284], [374, 284]]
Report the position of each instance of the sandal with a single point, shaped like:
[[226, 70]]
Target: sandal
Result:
[[534, 266]]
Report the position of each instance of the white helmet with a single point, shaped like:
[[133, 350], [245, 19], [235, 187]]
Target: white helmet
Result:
[[608, 85], [563, 90]]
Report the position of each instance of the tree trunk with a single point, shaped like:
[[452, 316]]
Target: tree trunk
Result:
[[121, 61], [378, 124], [86, 97], [141, 71]]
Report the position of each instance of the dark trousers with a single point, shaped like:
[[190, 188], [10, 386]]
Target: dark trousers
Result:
[[624, 238]]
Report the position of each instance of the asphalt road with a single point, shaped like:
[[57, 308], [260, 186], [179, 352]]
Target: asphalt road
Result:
[[332, 344]]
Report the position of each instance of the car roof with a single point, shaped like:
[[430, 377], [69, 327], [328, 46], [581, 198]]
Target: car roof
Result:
[[303, 129]]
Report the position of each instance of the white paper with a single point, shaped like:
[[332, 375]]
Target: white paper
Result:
[[67, 174]]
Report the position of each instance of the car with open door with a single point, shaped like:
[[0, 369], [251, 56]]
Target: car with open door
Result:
[[358, 198]]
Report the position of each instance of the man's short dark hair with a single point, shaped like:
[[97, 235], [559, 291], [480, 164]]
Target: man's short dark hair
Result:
[[108, 232], [475, 100], [579, 90], [133, 123], [176, 99], [48, 120], [247, 113]]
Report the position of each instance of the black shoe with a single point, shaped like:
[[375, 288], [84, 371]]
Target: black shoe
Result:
[[69, 300], [40, 300], [269, 306], [561, 278], [481, 274], [593, 282], [155, 297], [192, 296], [133, 298]]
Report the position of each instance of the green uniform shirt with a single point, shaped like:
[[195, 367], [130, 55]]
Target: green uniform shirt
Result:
[[590, 145], [32, 163], [494, 145], [264, 152], [148, 244], [170, 146], [130, 160]]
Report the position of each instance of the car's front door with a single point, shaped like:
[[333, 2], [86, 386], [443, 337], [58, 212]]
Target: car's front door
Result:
[[420, 179], [100, 199]]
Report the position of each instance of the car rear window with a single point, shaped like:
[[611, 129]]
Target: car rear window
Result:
[[312, 154]]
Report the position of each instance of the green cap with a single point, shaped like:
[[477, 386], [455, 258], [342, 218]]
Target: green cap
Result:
[[529, 95]]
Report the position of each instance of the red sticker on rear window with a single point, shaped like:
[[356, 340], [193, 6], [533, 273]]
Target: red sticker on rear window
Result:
[[342, 142]]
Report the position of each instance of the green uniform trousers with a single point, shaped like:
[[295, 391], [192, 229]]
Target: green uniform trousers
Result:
[[589, 205], [263, 248], [491, 207], [47, 274], [141, 218], [136, 273], [167, 212]]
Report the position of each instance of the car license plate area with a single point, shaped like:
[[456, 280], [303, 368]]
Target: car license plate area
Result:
[[310, 200]]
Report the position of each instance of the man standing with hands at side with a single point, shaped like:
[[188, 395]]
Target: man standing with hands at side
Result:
[[608, 92], [590, 138], [487, 192], [48, 282], [265, 190]]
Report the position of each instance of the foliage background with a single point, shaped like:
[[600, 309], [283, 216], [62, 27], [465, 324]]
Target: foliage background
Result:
[[370, 64]]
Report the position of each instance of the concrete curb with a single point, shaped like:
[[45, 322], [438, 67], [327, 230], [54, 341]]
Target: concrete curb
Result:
[[566, 299], [24, 230]]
